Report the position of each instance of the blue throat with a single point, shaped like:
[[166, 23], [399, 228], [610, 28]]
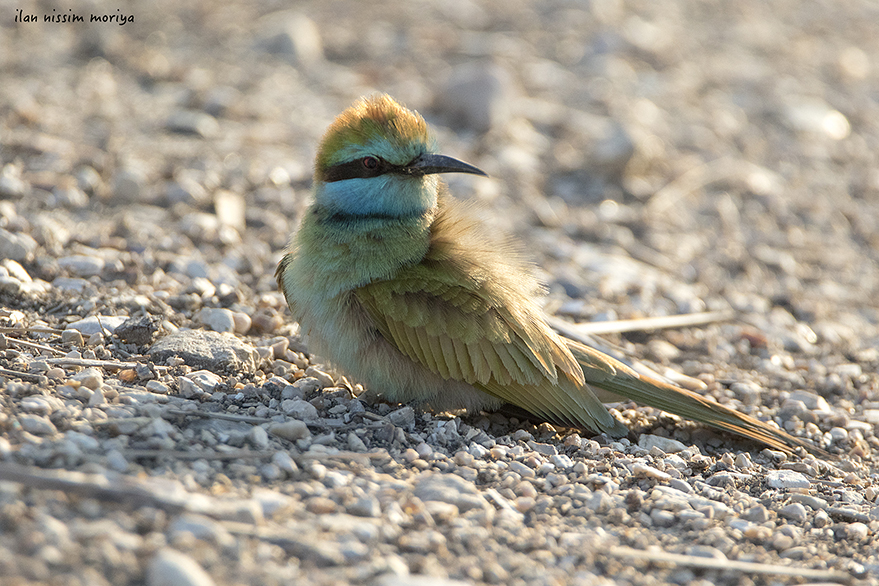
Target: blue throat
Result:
[[387, 197]]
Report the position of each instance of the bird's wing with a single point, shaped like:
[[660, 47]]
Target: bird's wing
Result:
[[604, 372], [458, 327]]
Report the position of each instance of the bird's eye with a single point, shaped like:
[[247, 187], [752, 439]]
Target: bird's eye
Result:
[[370, 163]]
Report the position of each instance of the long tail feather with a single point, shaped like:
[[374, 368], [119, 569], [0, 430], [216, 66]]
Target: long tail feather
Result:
[[611, 375]]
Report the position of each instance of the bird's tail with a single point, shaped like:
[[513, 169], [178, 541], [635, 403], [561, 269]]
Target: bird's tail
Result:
[[611, 375]]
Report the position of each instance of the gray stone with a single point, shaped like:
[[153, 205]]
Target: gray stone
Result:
[[705, 551], [794, 512], [285, 463], [856, 532], [662, 518], [321, 552], [12, 187], [213, 351], [40, 405], [545, 449], [299, 409], [15, 270], [36, 424], [322, 377], [128, 185], [97, 324], [611, 151], [814, 116], [140, 330], [157, 387], [71, 284], [813, 502], [70, 197], [643, 470], [355, 444], [403, 417], [562, 461], [258, 437], [478, 96], [172, 568], [88, 179], [786, 479], [291, 430], [202, 527], [194, 268], [220, 99], [758, 514], [302, 387], [97, 398], [395, 580], [218, 319], [452, 489], [205, 380], [17, 246], [368, 506], [229, 207], [90, 377], [812, 401], [185, 189], [10, 285], [193, 122], [792, 408], [117, 461], [293, 36], [667, 445]]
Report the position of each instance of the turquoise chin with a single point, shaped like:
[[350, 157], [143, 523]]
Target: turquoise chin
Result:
[[389, 195]]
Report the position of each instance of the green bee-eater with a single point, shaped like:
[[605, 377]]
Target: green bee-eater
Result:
[[399, 286]]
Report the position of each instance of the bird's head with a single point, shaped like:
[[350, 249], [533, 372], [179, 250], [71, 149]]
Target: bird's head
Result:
[[378, 159]]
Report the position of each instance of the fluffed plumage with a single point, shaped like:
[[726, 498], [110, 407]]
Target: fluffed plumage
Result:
[[398, 285]]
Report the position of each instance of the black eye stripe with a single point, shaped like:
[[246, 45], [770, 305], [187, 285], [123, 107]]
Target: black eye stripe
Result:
[[357, 170]]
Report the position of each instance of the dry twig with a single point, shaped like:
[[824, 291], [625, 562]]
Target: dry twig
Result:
[[677, 559]]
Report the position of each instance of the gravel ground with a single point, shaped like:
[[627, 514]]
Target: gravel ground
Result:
[[163, 423]]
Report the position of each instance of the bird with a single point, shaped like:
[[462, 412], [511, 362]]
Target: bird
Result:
[[400, 286]]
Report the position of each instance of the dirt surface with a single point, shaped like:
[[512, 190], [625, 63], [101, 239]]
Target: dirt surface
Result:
[[656, 158]]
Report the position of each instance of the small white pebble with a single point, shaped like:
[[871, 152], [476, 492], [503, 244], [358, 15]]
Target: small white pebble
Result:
[[562, 461], [646, 471], [242, 322], [857, 532], [477, 451], [838, 434], [323, 378], [545, 468], [573, 440], [291, 430], [284, 462], [355, 444], [525, 488], [786, 480], [743, 461], [757, 533], [463, 458], [424, 450], [521, 469], [97, 398], [499, 452], [155, 386]]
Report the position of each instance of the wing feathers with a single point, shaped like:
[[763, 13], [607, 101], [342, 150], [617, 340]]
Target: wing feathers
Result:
[[463, 320]]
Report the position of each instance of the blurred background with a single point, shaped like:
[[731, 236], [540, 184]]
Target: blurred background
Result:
[[655, 157]]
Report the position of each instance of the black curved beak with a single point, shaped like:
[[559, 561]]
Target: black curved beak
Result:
[[430, 164]]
